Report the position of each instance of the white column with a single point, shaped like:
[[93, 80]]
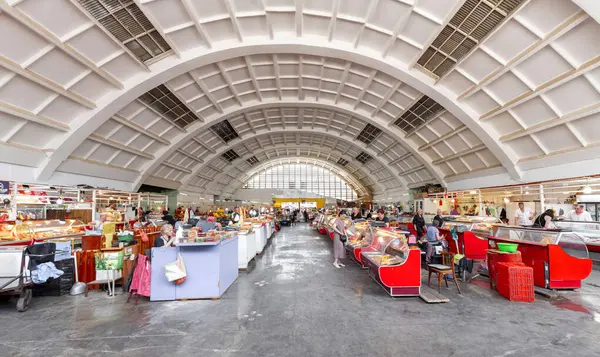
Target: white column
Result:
[[480, 204], [542, 199]]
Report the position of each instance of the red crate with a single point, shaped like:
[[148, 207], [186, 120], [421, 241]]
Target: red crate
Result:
[[515, 281], [496, 256]]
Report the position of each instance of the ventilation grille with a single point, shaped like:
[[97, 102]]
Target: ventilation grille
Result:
[[342, 162], [225, 131], [368, 134], [363, 157], [166, 103], [128, 24], [473, 21], [423, 110], [230, 155], [252, 160]]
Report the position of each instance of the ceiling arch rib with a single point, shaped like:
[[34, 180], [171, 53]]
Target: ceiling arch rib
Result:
[[333, 146], [229, 181], [319, 162], [355, 33]]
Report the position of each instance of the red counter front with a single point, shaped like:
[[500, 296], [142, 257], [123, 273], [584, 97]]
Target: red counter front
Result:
[[553, 267], [398, 280], [471, 246]]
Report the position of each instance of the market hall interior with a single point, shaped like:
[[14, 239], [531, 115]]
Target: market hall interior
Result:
[[234, 138]]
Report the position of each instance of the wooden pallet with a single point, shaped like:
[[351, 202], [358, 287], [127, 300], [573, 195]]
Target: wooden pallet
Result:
[[431, 296], [550, 294]]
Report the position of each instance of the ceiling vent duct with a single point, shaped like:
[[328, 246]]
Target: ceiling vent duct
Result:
[[230, 155], [363, 157], [166, 103], [342, 162], [252, 160], [423, 110], [368, 134], [469, 26], [225, 131], [124, 20]]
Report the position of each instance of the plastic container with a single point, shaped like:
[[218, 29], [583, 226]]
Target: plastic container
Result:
[[515, 282], [508, 247]]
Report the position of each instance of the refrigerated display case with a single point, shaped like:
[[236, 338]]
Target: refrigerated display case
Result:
[[560, 259], [405, 223], [471, 235], [38, 231], [360, 236], [392, 264], [589, 231]]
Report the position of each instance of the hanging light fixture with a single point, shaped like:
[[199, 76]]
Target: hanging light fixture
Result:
[[587, 189], [506, 200]]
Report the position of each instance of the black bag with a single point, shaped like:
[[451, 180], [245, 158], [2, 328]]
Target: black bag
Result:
[[343, 238]]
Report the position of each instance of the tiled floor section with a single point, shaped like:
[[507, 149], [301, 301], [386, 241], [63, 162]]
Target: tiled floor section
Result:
[[293, 302]]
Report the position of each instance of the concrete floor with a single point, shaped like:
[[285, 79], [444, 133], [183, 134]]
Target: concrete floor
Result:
[[293, 302]]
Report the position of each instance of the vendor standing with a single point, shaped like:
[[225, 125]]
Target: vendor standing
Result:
[[544, 220], [579, 214], [381, 217], [355, 214], [438, 218], [523, 216], [235, 216], [166, 238], [419, 223]]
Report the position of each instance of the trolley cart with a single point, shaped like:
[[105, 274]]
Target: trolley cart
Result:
[[15, 272]]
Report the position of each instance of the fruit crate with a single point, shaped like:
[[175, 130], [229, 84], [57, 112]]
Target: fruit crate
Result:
[[515, 282]]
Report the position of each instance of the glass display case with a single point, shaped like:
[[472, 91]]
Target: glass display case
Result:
[[360, 235], [560, 259], [390, 248], [571, 242], [589, 231]]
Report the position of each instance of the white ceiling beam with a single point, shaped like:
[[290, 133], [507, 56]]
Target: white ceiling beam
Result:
[[34, 118], [191, 12], [443, 137], [117, 145], [21, 17], [253, 78], [132, 125], [204, 145], [276, 70], [459, 154], [177, 167], [206, 91], [156, 25], [160, 115], [197, 159]]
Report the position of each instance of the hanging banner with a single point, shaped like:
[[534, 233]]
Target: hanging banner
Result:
[[4, 187]]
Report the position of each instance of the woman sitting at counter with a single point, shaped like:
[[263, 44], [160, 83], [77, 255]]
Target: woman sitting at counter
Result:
[[544, 220], [167, 237]]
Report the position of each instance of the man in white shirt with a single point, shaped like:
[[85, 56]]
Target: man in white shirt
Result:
[[523, 216], [579, 214]]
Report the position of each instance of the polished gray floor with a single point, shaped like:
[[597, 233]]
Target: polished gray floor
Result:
[[293, 302]]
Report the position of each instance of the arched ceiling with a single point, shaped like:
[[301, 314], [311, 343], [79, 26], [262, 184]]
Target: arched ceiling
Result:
[[460, 98]]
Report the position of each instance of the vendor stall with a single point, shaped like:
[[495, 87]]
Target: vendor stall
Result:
[[29, 232], [211, 266], [360, 236], [404, 223], [559, 259], [392, 264], [471, 235], [246, 245]]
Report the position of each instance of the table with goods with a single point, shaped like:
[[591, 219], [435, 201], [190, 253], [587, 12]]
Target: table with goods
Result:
[[559, 259], [210, 262], [260, 233], [246, 244], [393, 264]]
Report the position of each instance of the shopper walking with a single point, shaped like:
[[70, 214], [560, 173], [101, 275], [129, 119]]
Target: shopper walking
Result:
[[339, 238]]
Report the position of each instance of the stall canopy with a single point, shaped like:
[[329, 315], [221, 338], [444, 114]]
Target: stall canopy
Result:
[[192, 94]]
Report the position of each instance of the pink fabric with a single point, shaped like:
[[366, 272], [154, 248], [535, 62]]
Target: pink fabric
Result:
[[140, 284]]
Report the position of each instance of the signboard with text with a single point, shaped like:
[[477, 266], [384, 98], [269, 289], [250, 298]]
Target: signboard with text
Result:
[[4, 187]]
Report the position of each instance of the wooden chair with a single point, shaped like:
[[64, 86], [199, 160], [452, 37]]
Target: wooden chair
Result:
[[442, 270]]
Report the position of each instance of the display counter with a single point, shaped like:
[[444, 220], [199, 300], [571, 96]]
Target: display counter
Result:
[[405, 224], [589, 231], [360, 236], [211, 269], [559, 259], [468, 235], [392, 264], [246, 246], [29, 232]]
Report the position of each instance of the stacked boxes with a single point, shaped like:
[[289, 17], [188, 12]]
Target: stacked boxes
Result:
[[515, 281]]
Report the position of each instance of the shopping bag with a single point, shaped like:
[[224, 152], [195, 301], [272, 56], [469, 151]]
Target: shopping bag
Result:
[[175, 271], [144, 237]]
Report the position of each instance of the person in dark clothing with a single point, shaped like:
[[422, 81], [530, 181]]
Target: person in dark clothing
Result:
[[503, 217], [305, 213], [419, 223], [544, 220], [381, 217], [168, 218], [355, 214], [438, 218]]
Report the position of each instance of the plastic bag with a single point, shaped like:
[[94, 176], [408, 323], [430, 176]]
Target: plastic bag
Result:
[[175, 271]]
